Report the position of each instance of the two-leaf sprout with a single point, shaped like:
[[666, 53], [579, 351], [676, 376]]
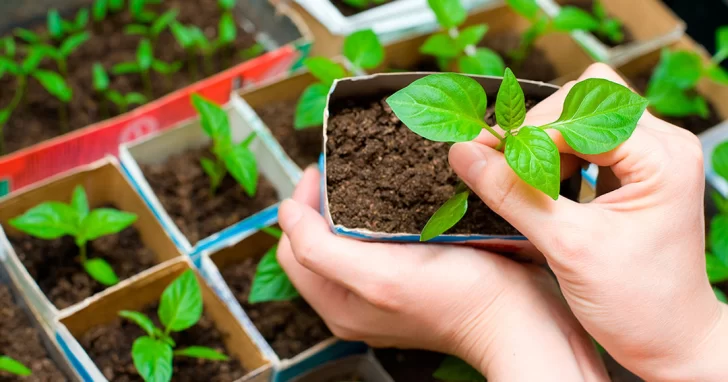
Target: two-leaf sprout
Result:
[[598, 115], [144, 65], [52, 220], [13, 367], [122, 101], [716, 255], [102, 8], [180, 308]]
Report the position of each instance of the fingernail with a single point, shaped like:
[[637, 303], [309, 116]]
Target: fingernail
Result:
[[478, 157], [289, 214]]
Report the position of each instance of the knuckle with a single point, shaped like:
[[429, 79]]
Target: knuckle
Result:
[[384, 294]]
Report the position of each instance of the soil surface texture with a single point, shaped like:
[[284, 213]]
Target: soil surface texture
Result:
[[588, 6], [109, 346], [38, 119], [410, 365], [290, 327], [22, 342], [303, 146], [183, 188], [54, 266], [348, 10]]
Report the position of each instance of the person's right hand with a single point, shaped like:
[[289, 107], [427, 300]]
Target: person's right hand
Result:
[[631, 263]]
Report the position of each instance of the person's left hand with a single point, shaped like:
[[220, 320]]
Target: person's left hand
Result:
[[506, 319]]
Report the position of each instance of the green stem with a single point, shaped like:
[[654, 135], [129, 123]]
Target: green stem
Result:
[[207, 62], [104, 107], [167, 81], [82, 253], [192, 69], [501, 138], [63, 116], [62, 67], [123, 107], [22, 83], [146, 79]]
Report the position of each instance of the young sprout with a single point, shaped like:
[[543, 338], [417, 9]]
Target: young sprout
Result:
[[455, 369], [67, 47], [122, 101], [51, 220], [598, 115], [270, 282], [460, 46], [144, 64], [716, 255], [364, 4], [362, 49], [180, 308], [237, 159], [14, 367], [193, 41], [152, 32], [101, 8], [227, 30], [139, 13], [58, 28], [672, 87]]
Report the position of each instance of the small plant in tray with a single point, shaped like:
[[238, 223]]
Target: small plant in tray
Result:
[[180, 308], [598, 115], [144, 65], [122, 101], [716, 256], [271, 282], [13, 367], [52, 220]]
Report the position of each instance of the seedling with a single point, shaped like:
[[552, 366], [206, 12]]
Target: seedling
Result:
[[151, 32], [180, 308], [569, 19], [453, 45], [362, 49], [122, 101], [364, 4], [67, 47], [716, 256], [236, 159], [598, 115], [454, 369], [139, 13], [194, 41], [14, 367], [58, 28], [51, 220], [101, 8], [270, 282], [672, 87], [144, 64]]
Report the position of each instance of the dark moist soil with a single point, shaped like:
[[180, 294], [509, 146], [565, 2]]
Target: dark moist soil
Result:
[[410, 365], [109, 346], [22, 342], [385, 178], [53, 263], [588, 6], [290, 327], [183, 188], [695, 124], [303, 146], [348, 10], [37, 118]]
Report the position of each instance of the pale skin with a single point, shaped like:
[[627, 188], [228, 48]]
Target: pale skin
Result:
[[630, 267]]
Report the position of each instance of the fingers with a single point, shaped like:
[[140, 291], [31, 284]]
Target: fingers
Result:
[[307, 189]]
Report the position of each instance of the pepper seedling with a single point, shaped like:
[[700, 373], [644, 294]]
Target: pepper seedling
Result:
[[453, 45], [193, 40], [139, 13], [716, 255], [122, 101], [454, 369], [66, 48], [144, 64], [51, 220], [270, 282], [236, 159], [362, 49], [180, 308], [672, 87], [151, 32], [598, 115], [101, 8], [14, 367]]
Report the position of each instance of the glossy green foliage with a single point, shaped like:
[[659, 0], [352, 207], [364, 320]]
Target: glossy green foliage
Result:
[[14, 367], [270, 282], [145, 61], [157, 26], [122, 101], [717, 258]]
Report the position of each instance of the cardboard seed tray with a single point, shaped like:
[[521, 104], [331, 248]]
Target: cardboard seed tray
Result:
[[651, 22], [189, 135], [105, 184], [141, 291]]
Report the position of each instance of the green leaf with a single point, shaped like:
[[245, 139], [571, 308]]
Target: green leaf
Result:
[[116, 98], [49, 220], [125, 68], [4, 116], [152, 359], [226, 5], [141, 320], [669, 100], [484, 62], [449, 13], [443, 107], [453, 369], [717, 269], [572, 19], [510, 106], [101, 78], [79, 202], [181, 303], [270, 282], [136, 7], [241, 164], [136, 29], [311, 106], [441, 45], [324, 69], [116, 5], [215, 172], [164, 21], [213, 118], [55, 25], [598, 10], [81, 19], [182, 35], [720, 295], [201, 352], [145, 56], [526, 8], [535, 158], [9, 45], [363, 49], [721, 44], [248, 140], [104, 221], [101, 271], [31, 62], [446, 216], [719, 160], [718, 237], [471, 35], [135, 98], [720, 202], [165, 68], [27, 36], [13, 367], [681, 68], [360, 4], [227, 30], [100, 9], [718, 74], [598, 115], [275, 232], [72, 43], [54, 84], [612, 29]]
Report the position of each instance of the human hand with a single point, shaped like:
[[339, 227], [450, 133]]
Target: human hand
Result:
[[492, 312], [631, 263]]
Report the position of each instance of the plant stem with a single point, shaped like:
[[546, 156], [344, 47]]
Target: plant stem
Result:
[[192, 69], [62, 67], [146, 79], [63, 116], [104, 107], [495, 134], [20, 93], [207, 63], [82, 253], [167, 81], [123, 107]]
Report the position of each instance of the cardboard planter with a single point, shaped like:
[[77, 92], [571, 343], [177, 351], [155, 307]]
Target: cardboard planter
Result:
[[230, 271], [650, 23], [282, 32], [363, 368], [187, 140], [61, 282], [97, 319], [558, 55]]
